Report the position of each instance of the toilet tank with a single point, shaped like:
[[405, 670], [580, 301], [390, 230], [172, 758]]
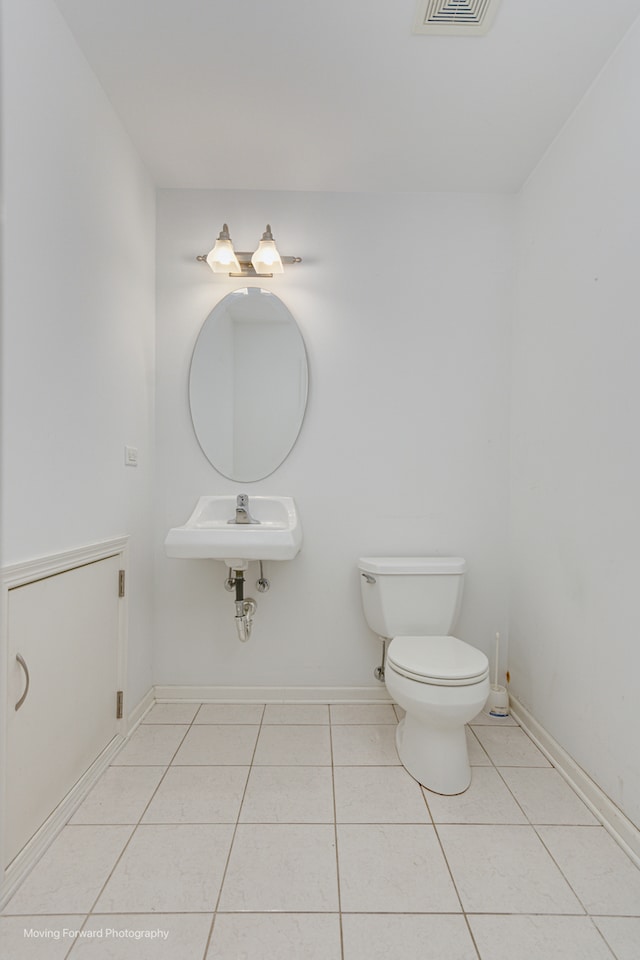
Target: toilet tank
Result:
[[411, 596]]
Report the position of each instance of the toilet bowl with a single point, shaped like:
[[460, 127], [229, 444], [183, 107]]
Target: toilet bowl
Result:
[[440, 681]]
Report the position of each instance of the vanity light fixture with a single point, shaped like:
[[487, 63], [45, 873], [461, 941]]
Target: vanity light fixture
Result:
[[264, 262], [222, 258], [266, 259]]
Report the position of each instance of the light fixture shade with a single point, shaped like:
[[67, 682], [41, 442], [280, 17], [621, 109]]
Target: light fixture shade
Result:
[[222, 258], [266, 259]]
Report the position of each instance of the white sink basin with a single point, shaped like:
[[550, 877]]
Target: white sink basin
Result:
[[207, 534]]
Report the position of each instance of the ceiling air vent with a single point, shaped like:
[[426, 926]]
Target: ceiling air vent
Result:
[[455, 17]]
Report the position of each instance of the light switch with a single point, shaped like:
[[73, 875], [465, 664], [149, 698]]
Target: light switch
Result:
[[131, 456]]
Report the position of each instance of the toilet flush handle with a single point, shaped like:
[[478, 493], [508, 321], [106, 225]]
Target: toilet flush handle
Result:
[[369, 578]]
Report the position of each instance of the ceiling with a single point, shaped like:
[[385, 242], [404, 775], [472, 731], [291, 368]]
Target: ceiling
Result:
[[340, 95]]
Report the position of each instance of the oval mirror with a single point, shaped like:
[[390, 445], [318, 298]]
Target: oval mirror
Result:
[[248, 384]]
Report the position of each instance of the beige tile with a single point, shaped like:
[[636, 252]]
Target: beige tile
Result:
[[296, 713], [505, 869], [120, 795], [37, 937], [362, 713], [284, 867], [403, 936], [510, 747], [151, 745], [538, 938], [284, 744], [397, 868], [122, 937], [218, 744], [283, 936], [230, 713], [169, 869], [602, 875], [545, 797], [477, 755], [485, 720], [622, 934], [198, 795], [171, 713], [378, 795], [487, 800], [71, 873], [288, 795], [365, 744]]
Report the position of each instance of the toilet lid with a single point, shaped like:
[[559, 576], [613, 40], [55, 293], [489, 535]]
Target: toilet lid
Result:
[[438, 660]]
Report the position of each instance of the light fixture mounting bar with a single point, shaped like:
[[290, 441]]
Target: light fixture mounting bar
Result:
[[247, 268]]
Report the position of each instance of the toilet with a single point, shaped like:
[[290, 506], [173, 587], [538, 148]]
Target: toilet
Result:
[[440, 681]]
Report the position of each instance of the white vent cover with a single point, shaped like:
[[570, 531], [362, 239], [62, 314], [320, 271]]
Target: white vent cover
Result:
[[455, 17]]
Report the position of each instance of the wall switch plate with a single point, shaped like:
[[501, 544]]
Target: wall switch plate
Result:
[[131, 456]]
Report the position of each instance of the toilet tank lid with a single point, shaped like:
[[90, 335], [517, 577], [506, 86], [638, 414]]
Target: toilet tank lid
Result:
[[414, 565]]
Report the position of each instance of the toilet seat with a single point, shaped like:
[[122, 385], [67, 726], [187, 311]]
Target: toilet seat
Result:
[[441, 661]]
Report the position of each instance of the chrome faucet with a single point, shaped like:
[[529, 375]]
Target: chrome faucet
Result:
[[242, 510]]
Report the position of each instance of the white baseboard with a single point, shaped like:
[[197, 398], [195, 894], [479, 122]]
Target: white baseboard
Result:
[[138, 713], [623, 831], [168, 693]]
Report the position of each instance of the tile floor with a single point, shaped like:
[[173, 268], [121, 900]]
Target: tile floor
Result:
[[291, 832]]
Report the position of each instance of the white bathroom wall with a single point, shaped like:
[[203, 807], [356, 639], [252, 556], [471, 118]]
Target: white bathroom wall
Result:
[[575, 619], [403, 301], [78, 314]]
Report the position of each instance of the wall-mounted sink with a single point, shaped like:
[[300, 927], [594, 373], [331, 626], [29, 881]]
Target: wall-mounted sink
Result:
[[212, 531]]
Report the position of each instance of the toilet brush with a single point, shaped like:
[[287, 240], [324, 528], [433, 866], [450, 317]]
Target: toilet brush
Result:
[[497, 704]]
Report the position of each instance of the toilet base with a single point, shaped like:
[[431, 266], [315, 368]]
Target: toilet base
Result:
[[431, 740], [435, 757]]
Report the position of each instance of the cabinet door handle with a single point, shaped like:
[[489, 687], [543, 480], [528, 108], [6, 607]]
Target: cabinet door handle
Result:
[[24, 666]]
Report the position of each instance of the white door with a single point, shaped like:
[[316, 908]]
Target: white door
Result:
[[65, 628]]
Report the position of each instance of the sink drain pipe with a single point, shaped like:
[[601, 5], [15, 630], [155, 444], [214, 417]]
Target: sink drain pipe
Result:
[[245, 609], [245, 606]]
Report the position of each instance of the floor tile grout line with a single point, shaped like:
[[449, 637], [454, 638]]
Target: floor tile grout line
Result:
[[455, 887], [168, 766], [471, 934], [423, 791], [233, 837], [614, 955], [534, 827], [481, 745], [435, 827], [529, 822], [75, 940], [335, 835], [503, 766], [561, 871], [241, 912], [520, 807], [138, 823], [135, 826]]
